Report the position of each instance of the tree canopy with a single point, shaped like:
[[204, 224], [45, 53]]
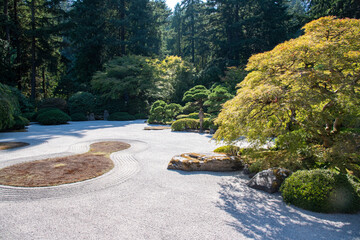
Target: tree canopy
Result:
[[309, 84]]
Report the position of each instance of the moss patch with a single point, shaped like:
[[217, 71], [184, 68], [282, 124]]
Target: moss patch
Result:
[[63, 170], [157, 128]]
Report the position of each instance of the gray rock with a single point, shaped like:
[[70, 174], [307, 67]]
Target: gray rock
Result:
[[106, 115], [91, 117], [216, 162], [269, 180], [246, 169]]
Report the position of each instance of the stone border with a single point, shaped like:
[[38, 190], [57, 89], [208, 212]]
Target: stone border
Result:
[[125, 166]]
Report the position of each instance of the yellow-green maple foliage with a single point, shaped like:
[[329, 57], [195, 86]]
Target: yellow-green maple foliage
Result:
[[310, 83]]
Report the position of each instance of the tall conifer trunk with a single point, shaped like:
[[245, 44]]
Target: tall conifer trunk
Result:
[[33, 57], [17, 43], [122, 29], [6, 13]]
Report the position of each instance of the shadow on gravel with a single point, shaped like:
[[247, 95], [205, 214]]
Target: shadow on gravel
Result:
[[187, 173], [259, 215], [38, 134]]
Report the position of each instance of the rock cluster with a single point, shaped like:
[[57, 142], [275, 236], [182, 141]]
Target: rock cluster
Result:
[[269, 180], [216, 162]]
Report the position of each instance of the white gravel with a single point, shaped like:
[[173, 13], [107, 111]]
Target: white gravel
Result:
[[141, 199]]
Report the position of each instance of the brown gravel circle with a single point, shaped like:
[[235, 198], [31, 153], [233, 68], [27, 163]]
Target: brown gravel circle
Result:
[[63, 170]]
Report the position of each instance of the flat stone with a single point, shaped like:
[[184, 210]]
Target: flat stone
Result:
[[215, 162]]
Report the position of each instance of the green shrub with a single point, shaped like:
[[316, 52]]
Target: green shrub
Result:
[[82, 102], [162, 113], [78, 117], [181, 116], [228, 149], [9, 107], [29, 116], [40, 111], [207, 123], [195, 115], [53, 103], [53, 117], [121, 116], [257, 166], [185, 124], [24, 103], [321, 191], [20, 123], [140, 116]]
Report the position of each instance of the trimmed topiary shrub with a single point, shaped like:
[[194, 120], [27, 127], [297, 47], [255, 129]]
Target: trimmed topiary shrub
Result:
[[321, 191], [81, 102], [40, 111], [53, 117], [181, 116], [185, 124], [196, 115], [121, 116], [78, 117], [228, 149]]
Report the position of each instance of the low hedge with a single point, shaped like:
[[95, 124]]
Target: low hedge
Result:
[[121, 116], [321, 191], [181, 116], [78, 117], [185, 124], [195, 115], [53, 117]]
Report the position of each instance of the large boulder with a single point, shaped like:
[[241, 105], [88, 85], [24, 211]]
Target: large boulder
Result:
[[269, 180], [216, 162]]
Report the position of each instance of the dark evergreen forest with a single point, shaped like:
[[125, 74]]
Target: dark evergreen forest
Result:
[[54, 48]]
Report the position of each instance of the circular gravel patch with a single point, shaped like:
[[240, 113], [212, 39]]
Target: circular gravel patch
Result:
[[125, 166]]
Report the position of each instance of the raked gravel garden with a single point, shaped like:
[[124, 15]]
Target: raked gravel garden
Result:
[[139, 198]]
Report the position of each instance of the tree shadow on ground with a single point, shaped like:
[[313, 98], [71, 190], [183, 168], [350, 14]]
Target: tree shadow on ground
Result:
[[38, 134], [219, 174], [259, 215]]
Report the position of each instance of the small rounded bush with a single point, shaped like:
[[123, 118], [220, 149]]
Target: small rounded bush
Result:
[[228, 149], [42, 110], [321, 191], [78, 117], [81, 102], [184, 124], [121, 116], [53, 117]]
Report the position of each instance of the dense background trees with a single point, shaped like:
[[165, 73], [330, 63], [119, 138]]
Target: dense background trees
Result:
[[54, 48]]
